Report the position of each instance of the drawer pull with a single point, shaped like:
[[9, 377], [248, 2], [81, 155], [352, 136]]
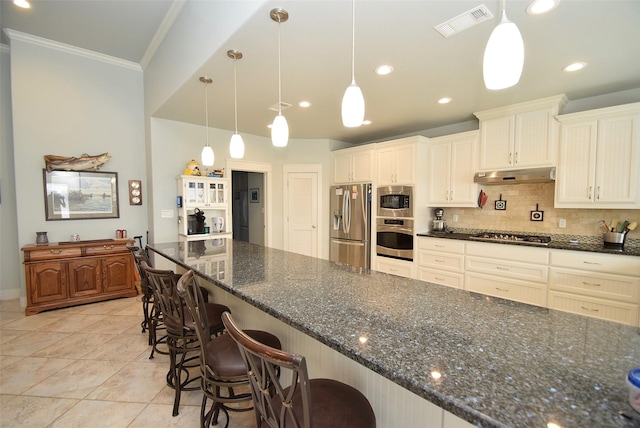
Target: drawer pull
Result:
[[439, 279], [501, 268], [589, 309], [58, 251], [590, 263], [439, 246], [591, 283], [439, 261], [501, 289], [109, 247]]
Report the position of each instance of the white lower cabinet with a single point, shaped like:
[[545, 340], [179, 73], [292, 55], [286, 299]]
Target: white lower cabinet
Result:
[[518, 291], [441, 261], [504, 275], [394, 266], [605, 286], [597, 285]]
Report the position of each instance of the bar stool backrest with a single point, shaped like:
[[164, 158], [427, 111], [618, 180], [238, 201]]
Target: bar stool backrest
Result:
[[191, 294], [273, 401], [163, 283]]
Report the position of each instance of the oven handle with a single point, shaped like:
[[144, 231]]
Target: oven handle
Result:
[[396, 229]]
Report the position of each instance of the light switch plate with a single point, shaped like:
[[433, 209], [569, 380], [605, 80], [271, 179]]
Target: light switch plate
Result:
[[167, 213]]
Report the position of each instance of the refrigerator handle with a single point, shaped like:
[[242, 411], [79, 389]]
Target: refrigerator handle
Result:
[[346, 215]]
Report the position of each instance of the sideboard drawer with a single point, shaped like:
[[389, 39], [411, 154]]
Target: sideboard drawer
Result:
[[52, 253]]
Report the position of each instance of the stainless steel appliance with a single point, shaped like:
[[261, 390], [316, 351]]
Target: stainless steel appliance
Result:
[[351, 225], [502, 237], [439, 225], [395, 201], [518, 176], [394, 238]]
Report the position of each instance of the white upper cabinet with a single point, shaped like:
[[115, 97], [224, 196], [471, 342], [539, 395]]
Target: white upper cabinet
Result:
[[522, 135], [599, 160], [451, 165], [397, 161], [353, 165]]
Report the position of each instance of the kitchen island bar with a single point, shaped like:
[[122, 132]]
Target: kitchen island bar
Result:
[[425, 355]]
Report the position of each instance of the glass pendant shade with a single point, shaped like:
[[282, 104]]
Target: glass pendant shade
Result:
[[207, 156], [352, 106], [236, 146], [503, 56], [279, 131]]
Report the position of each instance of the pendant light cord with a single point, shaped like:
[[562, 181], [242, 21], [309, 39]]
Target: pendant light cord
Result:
[[279, 71], [206, 110], [235, 92], [353, 42]]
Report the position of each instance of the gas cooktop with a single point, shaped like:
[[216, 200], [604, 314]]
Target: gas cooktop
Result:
[[507, 237]]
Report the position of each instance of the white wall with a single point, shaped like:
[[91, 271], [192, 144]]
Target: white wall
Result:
[[65, 102], [173, 144]]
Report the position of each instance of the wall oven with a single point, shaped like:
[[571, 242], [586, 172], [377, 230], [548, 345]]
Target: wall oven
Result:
[[395, 201], [394, 238]]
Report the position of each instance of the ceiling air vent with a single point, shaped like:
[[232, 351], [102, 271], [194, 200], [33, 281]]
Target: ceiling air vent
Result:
[[283, 106], [463, 21]]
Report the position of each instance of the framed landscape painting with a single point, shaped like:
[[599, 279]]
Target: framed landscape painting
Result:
[[77, 195]]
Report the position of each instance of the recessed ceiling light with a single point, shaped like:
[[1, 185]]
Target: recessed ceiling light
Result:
[[304, 104], [444, 100], [575, 66], [366, 122], [537, 7], [22, 3], [383, 70]]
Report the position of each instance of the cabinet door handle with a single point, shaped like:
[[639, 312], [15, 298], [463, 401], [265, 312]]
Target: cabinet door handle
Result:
[[598, 192], [510, 156], [451, 194], [58, 251], [591, 283], [501, 289], [439, 246], [590, 263], [589, 194], [501, 268], [516, 159], [589, 309]]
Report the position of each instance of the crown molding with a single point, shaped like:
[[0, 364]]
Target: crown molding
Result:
[[162, 31], [74, 50]]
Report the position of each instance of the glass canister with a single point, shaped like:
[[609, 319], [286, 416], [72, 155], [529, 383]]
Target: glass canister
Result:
[[633, 381]]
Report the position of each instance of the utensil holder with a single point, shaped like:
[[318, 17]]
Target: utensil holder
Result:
[[614, 238]]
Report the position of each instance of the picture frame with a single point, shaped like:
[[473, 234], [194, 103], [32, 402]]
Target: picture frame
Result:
[[80, 195], [254, 195]]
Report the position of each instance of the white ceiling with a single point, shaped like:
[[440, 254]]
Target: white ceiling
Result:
[[316, 58]]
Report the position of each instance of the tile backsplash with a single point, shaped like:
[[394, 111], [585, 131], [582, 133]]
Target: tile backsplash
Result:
[[521, 200]]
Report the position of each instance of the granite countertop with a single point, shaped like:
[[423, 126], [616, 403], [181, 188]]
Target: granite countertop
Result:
[[503, 363], [558, 242]]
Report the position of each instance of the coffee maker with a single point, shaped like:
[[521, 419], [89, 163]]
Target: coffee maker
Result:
[[439, 225]]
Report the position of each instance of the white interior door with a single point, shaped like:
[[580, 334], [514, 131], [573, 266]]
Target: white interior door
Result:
[[302, 210]]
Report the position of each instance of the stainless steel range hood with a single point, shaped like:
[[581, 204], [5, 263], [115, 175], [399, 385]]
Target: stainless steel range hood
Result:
[[519, 176]]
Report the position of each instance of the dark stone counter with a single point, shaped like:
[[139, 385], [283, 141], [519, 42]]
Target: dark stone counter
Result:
[[503, 363], [559, 242]]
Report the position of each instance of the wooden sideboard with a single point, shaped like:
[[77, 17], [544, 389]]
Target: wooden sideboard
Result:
[[72, 273]]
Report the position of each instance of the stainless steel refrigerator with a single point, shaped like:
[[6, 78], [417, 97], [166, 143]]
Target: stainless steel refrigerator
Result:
[[351, 225]]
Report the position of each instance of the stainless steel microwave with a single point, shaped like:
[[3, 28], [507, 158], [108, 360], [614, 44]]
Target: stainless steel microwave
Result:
[[395, 201]]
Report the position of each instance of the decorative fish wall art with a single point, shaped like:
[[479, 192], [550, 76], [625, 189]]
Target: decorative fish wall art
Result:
[[84, 162]]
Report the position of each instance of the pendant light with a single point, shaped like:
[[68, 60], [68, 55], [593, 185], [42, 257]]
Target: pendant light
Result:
[[504, 55], [207, 152], [353, 100], [279, 128], [236, 145]]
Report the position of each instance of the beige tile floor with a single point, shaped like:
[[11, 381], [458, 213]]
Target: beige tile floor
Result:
[[88, 366]]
